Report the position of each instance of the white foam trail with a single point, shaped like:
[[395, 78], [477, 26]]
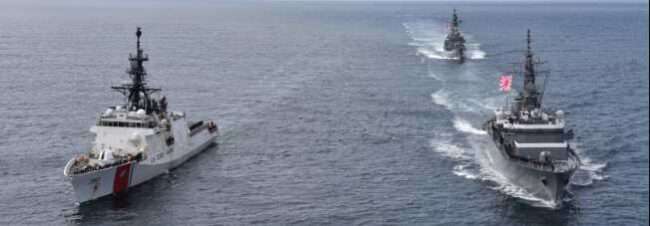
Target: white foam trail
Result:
[[466, 127], [474, 51], [589, 171], [505, 186], [596, 169], [431, 73], [487, 172], [433, 53], [421, 40], [441, 97], [467, 161], [463, 171], [435, 76], [490, 103], [586, 174], [456, 102], [448, 149], [436, 52], [429, 36], [428, 41], [444, 145], [476, 55]]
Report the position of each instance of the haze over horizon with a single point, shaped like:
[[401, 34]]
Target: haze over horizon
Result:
[[447, 1]]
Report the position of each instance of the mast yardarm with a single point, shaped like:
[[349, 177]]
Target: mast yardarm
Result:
[[455, 22], [137, 93], [531, 94]]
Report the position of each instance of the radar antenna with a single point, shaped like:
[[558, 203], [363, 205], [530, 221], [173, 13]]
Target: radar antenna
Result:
[[455, 21], [529, 67], [531, 95], [137, 93]]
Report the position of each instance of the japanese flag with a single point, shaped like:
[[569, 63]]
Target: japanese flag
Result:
[[505, 83]]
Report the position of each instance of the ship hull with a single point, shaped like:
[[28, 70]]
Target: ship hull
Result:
[[548, 185], [117, 179], [456, 49]]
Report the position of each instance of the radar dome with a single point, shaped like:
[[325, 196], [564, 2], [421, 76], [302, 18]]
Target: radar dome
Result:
[[141, 113], [135, 138], [108, 112]]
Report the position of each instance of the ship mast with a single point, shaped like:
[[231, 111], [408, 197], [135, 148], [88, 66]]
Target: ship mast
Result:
[[137, 93], [529, 68], [454, 21], [530, 94]]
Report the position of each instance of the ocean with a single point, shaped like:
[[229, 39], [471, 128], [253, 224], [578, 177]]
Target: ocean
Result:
[[331, 113]]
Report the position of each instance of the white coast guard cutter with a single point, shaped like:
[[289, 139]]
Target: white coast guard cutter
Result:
[[136, 141]]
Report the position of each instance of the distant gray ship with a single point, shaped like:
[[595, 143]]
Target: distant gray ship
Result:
[[533, 145], [455, 42]]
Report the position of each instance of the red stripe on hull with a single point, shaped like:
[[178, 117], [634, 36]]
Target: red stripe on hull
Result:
[[122, 175]]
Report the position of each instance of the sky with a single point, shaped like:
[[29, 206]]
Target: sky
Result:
[[99, 3]]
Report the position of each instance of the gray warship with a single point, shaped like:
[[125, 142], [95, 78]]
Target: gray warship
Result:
[[455, 42], [533, 149]]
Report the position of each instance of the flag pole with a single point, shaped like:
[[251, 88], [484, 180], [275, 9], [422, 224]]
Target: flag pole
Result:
[[505, 82], [507, 102]]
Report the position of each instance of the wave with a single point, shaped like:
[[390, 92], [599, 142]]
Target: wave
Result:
[[466, 127], [586, 175], [441, 97], [434, 53], [589, 171], [473, 166], [429, 36], [490, 103], [468, 168], [435, 76], [445, 146], [477, 55], [465, 170], [505, 186], [466, 95], [457, 103], [474, 51], [508, 188], [596, 170]]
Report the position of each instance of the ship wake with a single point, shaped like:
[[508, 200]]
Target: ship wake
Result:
[[428, 39], [503, 185], [589, 171], [475, 165], [466, 127], [468, 145], [444, 144], [471, 95]]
